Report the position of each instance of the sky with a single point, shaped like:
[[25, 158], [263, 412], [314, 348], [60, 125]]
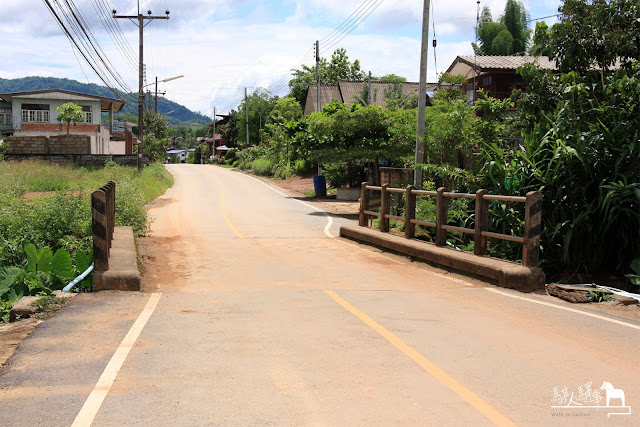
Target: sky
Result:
[[223, 46]]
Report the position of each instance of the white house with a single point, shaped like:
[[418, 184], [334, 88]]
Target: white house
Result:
[[33, 114]]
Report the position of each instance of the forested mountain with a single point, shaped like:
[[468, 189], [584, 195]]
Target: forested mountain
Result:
[[180, 115]]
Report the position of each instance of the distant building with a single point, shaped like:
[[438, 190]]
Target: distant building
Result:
[[349, 92], [180, 154], [495, 74], [29, 118]]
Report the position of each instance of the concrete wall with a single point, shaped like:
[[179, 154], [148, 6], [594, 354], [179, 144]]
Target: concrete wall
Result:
[[98, 134], [86, 160], [117, 147], [58, 144]]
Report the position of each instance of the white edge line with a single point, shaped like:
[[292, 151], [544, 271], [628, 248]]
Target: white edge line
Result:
[[559, 307], [93, 403], [330, 220]]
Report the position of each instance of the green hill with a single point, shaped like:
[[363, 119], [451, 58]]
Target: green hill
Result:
[[180, 115]]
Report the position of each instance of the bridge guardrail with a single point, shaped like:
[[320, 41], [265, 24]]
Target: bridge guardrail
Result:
[[103, 219], [532, 228]]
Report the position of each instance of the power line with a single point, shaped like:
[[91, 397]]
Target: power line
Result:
[[345, 21], [94, 44], [100, 75], [356, 21]]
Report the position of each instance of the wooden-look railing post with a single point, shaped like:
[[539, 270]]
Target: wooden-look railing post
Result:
[[482, 223], [100, 230], [532, 229], [409, 213], [442, 210], [364, 204], [384, 208], [113, 208], [107, 211]]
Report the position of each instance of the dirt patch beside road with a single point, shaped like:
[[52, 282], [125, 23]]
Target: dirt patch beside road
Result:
[[297, 187]]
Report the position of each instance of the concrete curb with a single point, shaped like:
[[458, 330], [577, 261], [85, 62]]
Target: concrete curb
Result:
[[505, 273], [123, 272]]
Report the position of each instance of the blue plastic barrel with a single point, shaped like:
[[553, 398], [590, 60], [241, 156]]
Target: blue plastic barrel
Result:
[[320, 185]]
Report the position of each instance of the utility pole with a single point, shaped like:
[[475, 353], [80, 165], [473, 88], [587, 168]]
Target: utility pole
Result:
[[246, 113], [214, 126], [156, 100], [422, 95], [369, 94], [318, 92], [140, 18]]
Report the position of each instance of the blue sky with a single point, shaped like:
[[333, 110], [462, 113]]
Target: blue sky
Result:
[[222, 46]]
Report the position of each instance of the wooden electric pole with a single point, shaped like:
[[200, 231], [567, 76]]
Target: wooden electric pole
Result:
[[140, 18], [369, 94], [422, 95], [214, 126], [246, 113]]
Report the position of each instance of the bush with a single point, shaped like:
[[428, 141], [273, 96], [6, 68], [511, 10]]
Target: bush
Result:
[[232, 154], [338, 174], [284, 172], [263, 167], [302, 166]]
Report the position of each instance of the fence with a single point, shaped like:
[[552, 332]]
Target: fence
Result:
[[103, 212], [532, 220]]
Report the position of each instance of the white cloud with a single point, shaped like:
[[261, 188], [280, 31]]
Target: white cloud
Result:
[[221, 46]]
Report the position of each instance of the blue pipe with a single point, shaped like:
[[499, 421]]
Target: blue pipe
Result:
[[78, 279]]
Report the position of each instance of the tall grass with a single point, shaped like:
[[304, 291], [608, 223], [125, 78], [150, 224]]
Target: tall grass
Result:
[[63, 220]]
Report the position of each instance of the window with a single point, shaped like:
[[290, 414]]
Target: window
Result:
[[5, 116], [88, 116], [486, 81], [35, 113]]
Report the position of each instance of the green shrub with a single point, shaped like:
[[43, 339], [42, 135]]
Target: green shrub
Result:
[[302, 166], [284, 172], [338, 174], [263, 167], [232, 154]]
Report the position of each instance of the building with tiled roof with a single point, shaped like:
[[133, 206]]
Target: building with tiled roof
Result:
[[495, 74], [348, 92]]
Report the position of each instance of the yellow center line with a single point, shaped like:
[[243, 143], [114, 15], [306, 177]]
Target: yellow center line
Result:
[[470, 397], [226, 218]]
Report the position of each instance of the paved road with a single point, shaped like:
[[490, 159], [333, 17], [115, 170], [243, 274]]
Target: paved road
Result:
[[255, 314]]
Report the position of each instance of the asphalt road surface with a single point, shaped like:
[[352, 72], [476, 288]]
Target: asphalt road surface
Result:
[[254, 312]]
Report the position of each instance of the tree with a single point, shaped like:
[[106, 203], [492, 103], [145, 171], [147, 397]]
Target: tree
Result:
[[596, 32], [261, 102], [541, 40], [351, 135], [156, 124], [279, 130], [515, 19], [229, 130], [70, 113], [509, 36], [339, 68]]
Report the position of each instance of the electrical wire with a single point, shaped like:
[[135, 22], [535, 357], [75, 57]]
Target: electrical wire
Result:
[[435, 39], [85, 46]]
